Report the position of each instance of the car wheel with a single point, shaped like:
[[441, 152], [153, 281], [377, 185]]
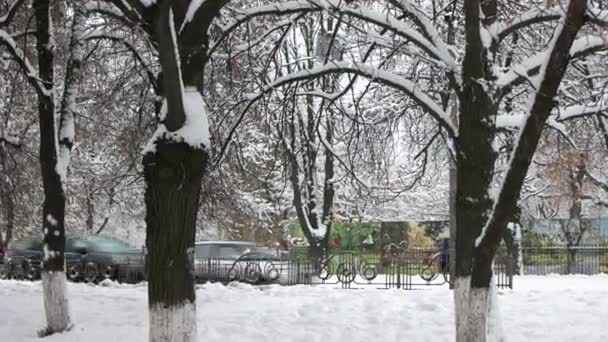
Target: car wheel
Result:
[[74, 273], [253, 273], [108, 273], [91, 272], [5, 271], [29, 271]]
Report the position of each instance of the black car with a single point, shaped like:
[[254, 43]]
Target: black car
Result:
[[105, 258]]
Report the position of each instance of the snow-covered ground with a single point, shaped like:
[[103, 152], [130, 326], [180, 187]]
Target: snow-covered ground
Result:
[[541, 308]]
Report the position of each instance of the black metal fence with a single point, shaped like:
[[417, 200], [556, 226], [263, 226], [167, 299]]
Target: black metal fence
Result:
[[405, 269], [565, 260]]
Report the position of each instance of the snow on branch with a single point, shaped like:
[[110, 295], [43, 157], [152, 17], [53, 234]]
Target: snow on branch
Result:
[[598, 16], [577, 111], [10, 139], [563, 114], [433, 45], [528, 18], [111, 10], [24, 64], [140, 59], [8, 16], [69, 107], [194, 6], [596, 181], [530, 67], [551, 73], [429, 31], [188, 119], [404, 30], [374, 74], [290, 7]]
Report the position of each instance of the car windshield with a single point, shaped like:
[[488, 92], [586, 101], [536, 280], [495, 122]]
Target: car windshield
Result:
[[222, 250], [261, 255], [202, 251], [110, 246], [26, 244], [233, 250]]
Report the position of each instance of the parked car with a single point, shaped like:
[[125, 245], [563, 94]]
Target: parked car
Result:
[[103, 258], [23, 259], [226, 261]]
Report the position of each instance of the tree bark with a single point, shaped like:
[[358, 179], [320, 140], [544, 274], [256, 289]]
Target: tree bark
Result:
[[480, 261], [173, 178], [53, 210], [173, 171], [475, 163]]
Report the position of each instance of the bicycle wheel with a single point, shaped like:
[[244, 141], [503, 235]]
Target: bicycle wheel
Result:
[[429, 274]]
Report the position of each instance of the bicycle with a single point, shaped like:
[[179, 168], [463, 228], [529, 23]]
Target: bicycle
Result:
[[436, 266]]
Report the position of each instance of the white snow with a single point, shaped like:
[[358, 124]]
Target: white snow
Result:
[[509, 120], [540, 309], [47, 253], [195, 130], [51, 220]]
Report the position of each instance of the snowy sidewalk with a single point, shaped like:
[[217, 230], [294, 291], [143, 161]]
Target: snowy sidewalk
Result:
[[551, 308]]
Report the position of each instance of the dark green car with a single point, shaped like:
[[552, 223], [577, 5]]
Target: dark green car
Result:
[[22, 260], [105, 258], [89, 259]]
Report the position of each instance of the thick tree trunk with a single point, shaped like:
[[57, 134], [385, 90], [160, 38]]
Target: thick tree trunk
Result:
[[473, 177], [53, 211], [173, 171], [173, 178], [477, 328]]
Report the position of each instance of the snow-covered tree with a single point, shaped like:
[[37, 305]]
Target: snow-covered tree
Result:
[[496, 76], [56, 138]]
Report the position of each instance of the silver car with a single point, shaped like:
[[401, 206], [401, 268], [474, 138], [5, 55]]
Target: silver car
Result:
[[226, 261]]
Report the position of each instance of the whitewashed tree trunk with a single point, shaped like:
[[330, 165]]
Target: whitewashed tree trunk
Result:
[[173, 323], [495, 331], [55, 301], [461, 303], [477, 314], [475, 323]]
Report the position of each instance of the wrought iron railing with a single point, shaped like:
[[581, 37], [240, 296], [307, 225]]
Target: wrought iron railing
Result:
[[403, 268], [565, 260]]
